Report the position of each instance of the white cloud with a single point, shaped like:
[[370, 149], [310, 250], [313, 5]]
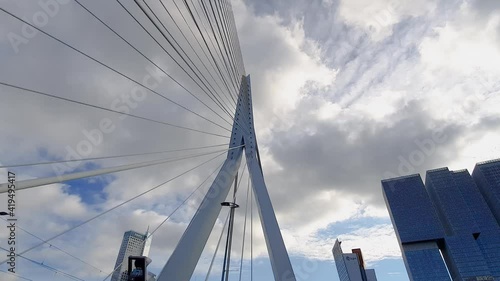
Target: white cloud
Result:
[[377, 242], [327, 131], [378, 17]]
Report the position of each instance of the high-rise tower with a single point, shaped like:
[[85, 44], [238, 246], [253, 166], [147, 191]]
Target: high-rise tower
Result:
[[351, 266], [133, 244], [487, 177], [447, 227]]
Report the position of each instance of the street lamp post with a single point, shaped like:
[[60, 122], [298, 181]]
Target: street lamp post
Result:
[[229, 240]]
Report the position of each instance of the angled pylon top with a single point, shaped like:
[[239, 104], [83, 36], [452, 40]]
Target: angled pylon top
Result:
[[183, 261]]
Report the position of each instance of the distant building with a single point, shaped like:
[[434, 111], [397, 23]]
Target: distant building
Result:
[[133, 244], [351, 266], [450, 225]]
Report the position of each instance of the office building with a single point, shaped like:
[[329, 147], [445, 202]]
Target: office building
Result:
[[133, 244], [447, 228], [487, 177], [351, 266]]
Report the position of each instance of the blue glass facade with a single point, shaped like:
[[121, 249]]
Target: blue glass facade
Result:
[[424, 262], [339, 261], [417, 227], [466, 240], [487, 177], [411, 210]]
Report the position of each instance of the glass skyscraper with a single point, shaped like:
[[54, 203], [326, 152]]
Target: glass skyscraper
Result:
[[449, 226], [133, 244], [351, 266]]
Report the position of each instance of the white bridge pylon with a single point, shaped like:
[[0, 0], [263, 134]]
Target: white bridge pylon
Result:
[[183, 261]]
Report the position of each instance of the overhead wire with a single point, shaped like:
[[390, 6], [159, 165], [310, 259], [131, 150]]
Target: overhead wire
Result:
[[57, 248], [41, 264], [17, 275], [107, 66]]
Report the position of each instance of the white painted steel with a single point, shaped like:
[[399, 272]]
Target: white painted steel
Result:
[[183, 260], [80, 175]]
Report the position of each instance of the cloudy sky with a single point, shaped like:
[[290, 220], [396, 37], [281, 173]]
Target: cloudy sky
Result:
[[345, 93]]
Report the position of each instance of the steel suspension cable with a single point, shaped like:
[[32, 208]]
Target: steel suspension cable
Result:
[[158, 43], [232, 102], [106, 157], [107, 66], [244, 228], [207, 15], [217, 247], [221, 8], [197, 55], [173, 212], [232, 31], [219, 68], [251, 233], [241, 178], [176, 49], [115, 207], [26, 90], [235, 33], [225, 41], [222, 41], [24, 184], [143, 55]]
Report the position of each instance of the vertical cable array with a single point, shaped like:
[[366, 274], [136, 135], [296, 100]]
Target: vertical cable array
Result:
[[198, 38]]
